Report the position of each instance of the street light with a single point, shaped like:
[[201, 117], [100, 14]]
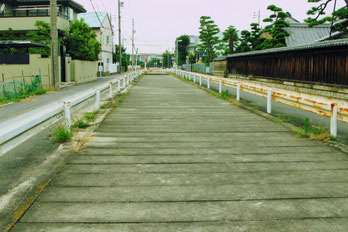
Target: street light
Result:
[[177, 52]]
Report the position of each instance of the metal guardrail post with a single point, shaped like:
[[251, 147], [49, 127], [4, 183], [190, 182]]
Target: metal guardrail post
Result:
[[110, 91], [333, 120], [67, 115], [269, 101], [123, 82], [200, 80], [118, 85], [194, 78], [238, 91], [208, 83], [97, 100], [220, 86]]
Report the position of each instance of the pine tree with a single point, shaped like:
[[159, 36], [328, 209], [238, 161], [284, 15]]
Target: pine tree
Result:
[[208, 37], [231, 36]]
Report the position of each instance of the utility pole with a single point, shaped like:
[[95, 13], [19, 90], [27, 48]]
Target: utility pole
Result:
[[54, 44], [133, 32], [119, 34], [136, 60]]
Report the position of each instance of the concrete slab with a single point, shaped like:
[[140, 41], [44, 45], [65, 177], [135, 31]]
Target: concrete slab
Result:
[[173, 158]]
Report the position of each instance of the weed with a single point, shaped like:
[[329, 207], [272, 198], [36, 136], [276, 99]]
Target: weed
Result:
[[119, 100], [105, 106], [39, 92], [90, 116], [62, 134], [114, 105], [80, 124], [313, 132], [281, 119], [225, 95]]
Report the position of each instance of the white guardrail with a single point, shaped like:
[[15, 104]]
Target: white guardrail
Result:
[[18, 129], [335, 109]]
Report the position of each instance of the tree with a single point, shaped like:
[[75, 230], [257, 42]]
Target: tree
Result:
[[317, 11], [230, 36], [209, 39], [81, 42], [192, 58], [276, 28], [125, 57], [42, 35], [244, 44], [167, 59], [182, 48], [255, 36]]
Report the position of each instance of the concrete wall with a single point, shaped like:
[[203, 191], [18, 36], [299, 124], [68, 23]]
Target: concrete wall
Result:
[[83, 71], [37, 66], [220, 68]]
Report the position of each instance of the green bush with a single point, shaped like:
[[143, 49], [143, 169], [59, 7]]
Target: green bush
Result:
[[62, 134], [90, 116], [80, 124], [225, 95]]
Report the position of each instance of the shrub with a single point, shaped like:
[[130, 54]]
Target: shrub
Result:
[[90, 116], [80, 124], [62, 134]]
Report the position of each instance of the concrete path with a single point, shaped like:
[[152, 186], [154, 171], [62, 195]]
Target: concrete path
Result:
[[174, 158]]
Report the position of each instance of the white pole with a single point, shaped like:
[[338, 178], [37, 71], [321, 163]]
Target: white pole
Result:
[[200, 80], [269, 101], [238, 91], [118, 85], [124, 82], [97, 100], [67, 114], [194, 78], [220, 86], [208, 83], [333, 121], [110, 91]]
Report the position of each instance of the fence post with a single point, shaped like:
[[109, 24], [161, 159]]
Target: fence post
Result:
[[123, 82], [194, 78], [110, 90], [208, 82], [220, 86], [97, 100], [118, 85], [269, 101], [238, 91], [333, 120], [200, 80], [67, 115]]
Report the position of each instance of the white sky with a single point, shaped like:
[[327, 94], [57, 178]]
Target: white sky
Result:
[[159, 22]]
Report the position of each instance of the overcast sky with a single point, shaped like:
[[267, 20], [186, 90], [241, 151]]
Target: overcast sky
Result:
[[159, 22]]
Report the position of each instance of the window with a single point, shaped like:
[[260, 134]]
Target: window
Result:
[[107, 39]]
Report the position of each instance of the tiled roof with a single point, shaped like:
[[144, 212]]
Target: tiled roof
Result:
[[325, 44], [301, 34], [91, 18]]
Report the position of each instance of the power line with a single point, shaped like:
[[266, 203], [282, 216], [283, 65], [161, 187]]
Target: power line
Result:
[[101, 24]]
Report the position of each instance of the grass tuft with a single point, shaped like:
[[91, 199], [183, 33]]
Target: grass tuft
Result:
[[80, 123], [91, 116], [62, 134]]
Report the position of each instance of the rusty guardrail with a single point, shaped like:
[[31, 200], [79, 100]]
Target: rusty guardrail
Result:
[[336, 109]]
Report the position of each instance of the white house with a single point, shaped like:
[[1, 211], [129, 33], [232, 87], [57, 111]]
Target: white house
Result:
[[100, 22]]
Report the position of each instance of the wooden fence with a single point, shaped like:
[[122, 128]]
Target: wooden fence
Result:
[[323, 63]]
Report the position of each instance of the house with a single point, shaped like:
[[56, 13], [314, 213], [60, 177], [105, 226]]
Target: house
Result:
[[146, 57], [194, 40], [100, 22], [21, 15]]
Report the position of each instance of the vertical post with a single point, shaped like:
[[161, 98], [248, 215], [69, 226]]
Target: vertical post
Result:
[[269, 101], [194, 78], [238, 91], [333, 121], [208, 82], [200, 80], [110, 90], [54, 44], [220, 86], [97, 100], [67, 115], [119, 34], [118, 85], [124, 82]]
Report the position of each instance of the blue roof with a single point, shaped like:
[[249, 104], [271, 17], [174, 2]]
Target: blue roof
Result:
[[91, 18]]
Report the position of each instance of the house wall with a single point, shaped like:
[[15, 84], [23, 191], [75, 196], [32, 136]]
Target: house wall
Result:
[[83, 71], [28, 23]]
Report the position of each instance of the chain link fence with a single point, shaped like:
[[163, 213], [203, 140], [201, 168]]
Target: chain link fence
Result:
[[19, 87]]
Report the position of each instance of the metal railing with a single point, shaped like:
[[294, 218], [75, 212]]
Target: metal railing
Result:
[[335, 109], [18, 129]]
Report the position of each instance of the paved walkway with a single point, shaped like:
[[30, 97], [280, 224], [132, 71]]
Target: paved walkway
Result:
[[16, 108], [174, 158]]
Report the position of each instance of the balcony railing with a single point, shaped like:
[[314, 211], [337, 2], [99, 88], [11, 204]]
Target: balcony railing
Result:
[[30, 13]]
